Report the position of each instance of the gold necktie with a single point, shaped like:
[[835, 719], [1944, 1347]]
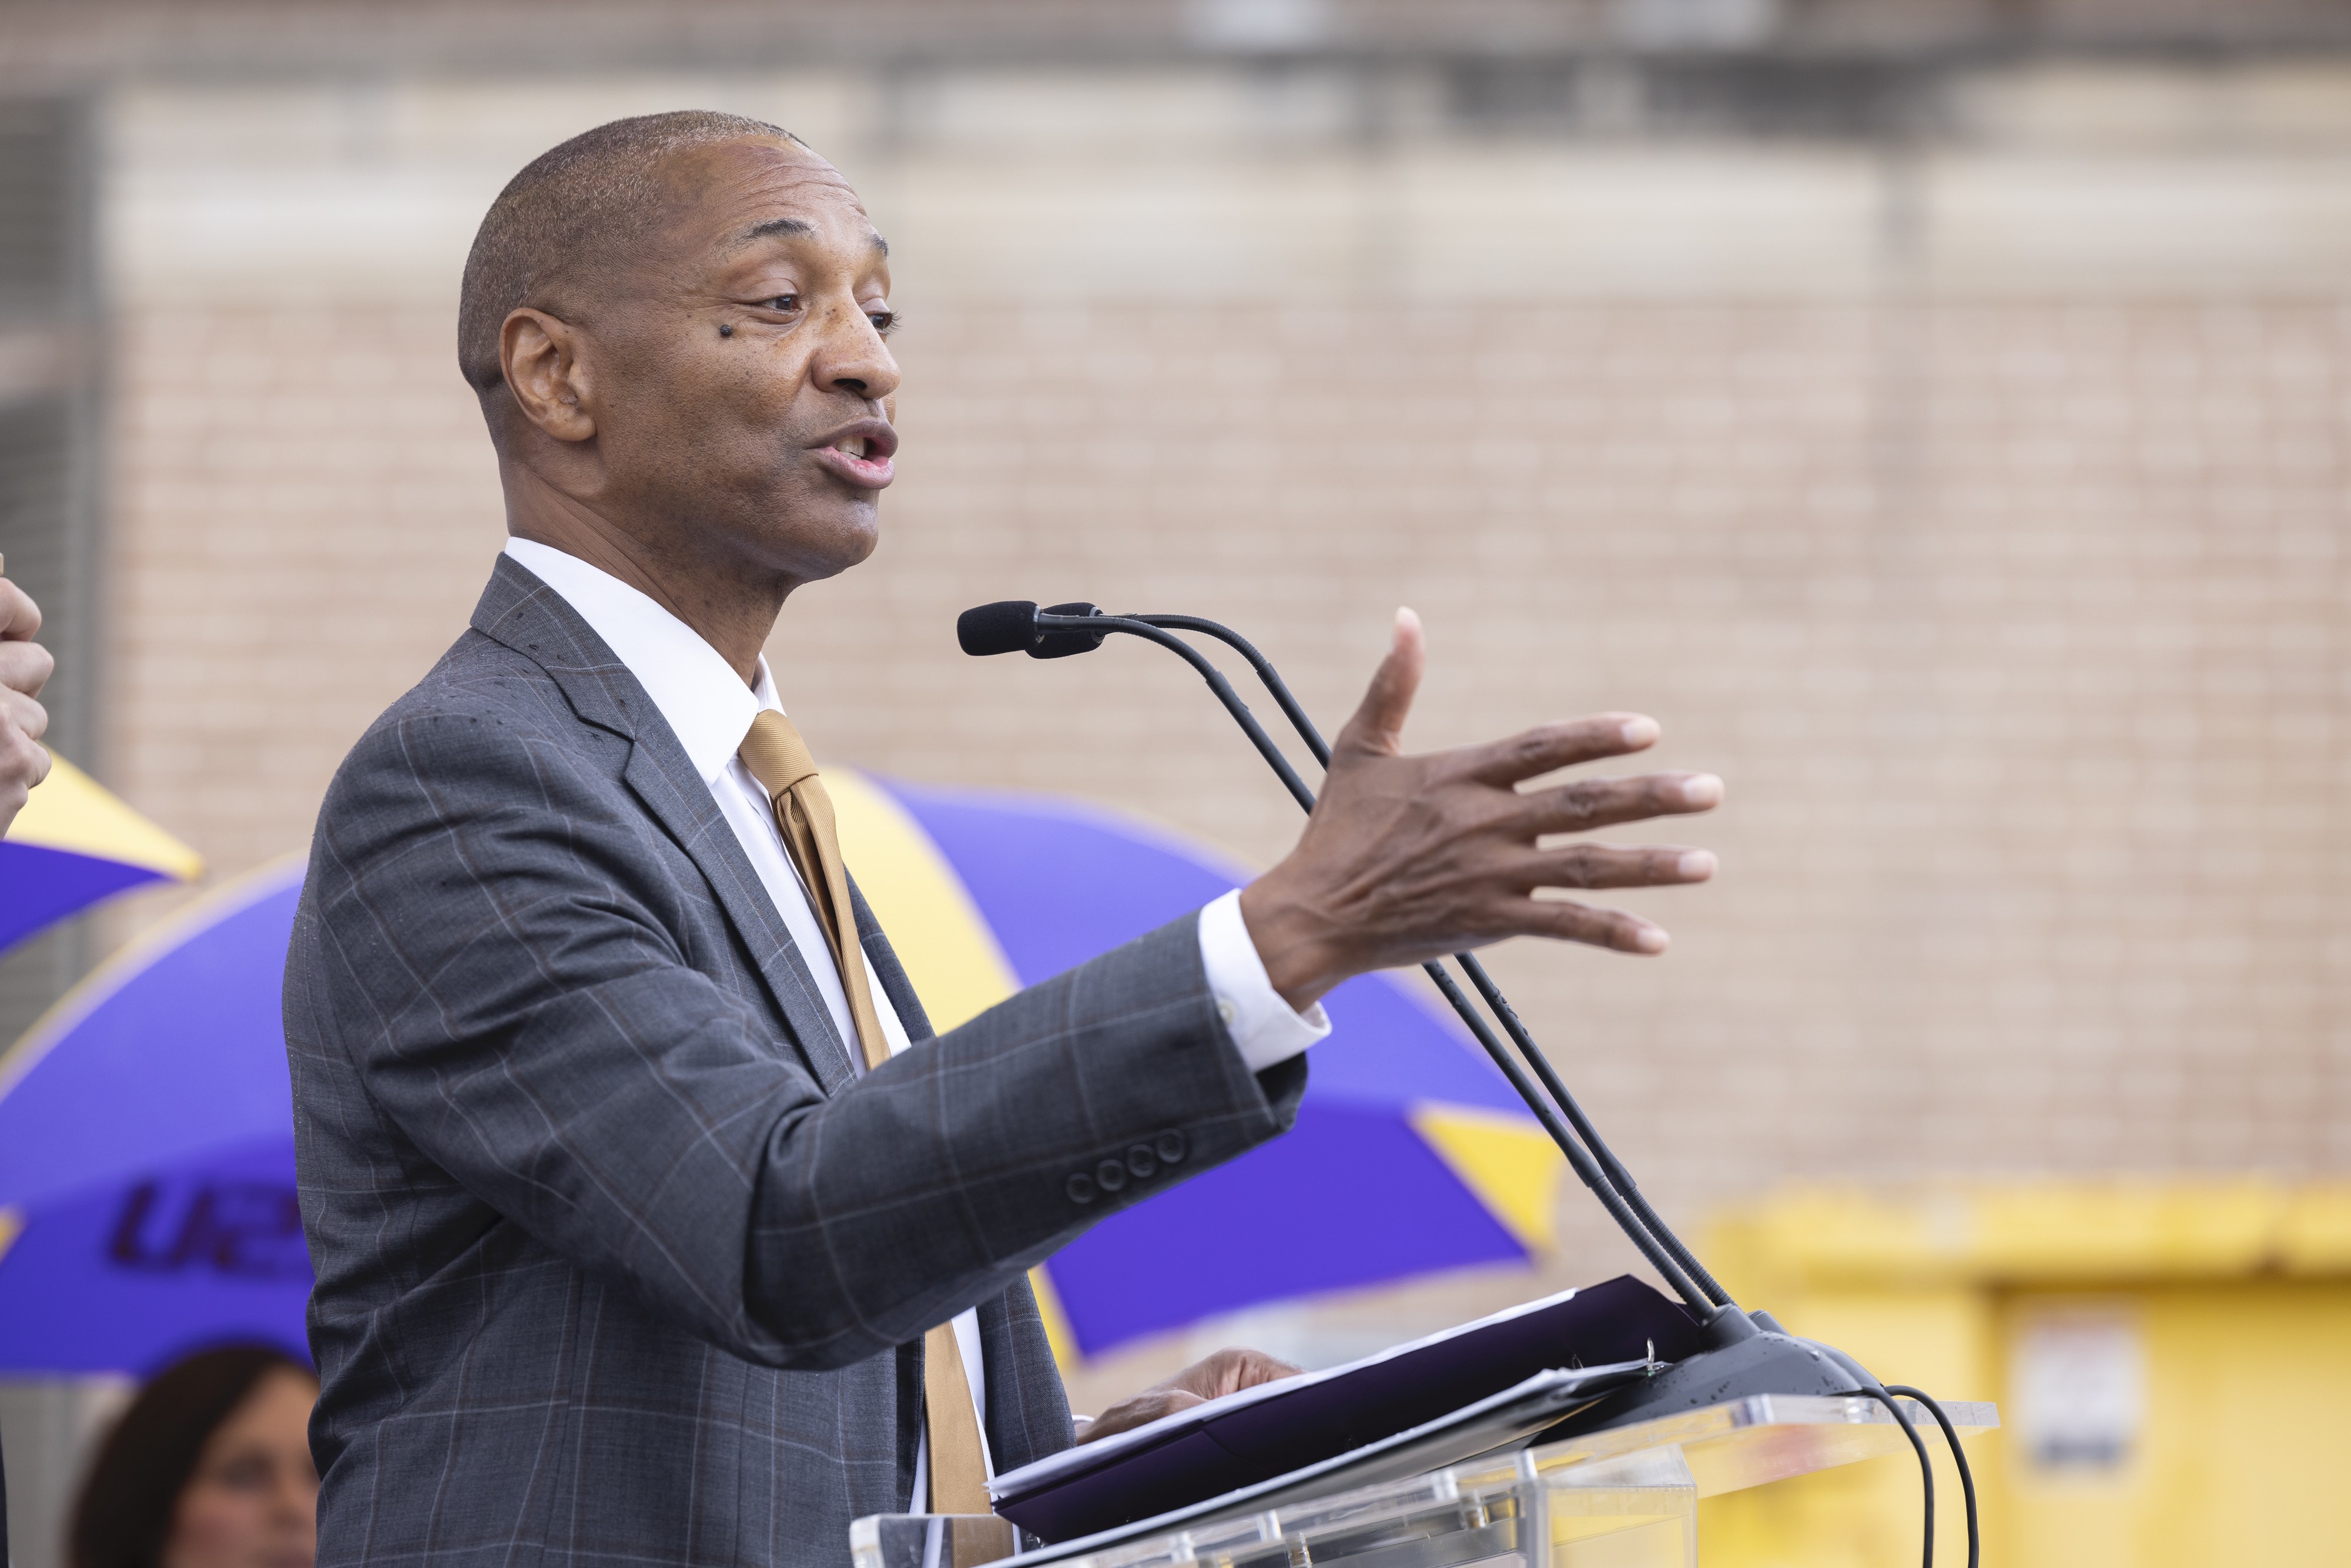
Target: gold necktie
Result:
[[780, 760]]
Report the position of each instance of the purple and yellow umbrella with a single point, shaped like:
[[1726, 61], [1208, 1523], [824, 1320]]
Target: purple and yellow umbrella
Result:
[[1411, 1155], [73, 845], [147, 1150], [146, 1156]]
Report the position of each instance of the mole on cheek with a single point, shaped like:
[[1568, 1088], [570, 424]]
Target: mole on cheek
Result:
[[724, 330]]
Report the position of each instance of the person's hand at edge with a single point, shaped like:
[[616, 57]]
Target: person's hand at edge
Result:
[[1409, 858], [1228, 1370], [25, 667]]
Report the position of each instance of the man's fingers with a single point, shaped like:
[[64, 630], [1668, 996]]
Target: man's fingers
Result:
[[1566, 921], [1150, 1405], [20, 618], [1378, 723], [23, 764], [1614, 865], [1603, 802], [1145, 1407], [1549, 746], [1230, 1371], [25, 667], [1227, 1371], [23, 713]]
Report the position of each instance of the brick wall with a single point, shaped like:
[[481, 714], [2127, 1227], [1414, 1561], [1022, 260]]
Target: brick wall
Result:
[[2005, 591], [305, 508], [2027, 681]]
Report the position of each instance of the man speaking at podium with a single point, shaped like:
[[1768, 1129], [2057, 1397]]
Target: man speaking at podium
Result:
[[653, 1225]]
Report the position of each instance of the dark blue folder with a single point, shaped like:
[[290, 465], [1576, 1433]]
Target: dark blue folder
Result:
[[1227, 1448]]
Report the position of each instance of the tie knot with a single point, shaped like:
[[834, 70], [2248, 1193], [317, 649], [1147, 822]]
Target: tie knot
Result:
[[774, 753]]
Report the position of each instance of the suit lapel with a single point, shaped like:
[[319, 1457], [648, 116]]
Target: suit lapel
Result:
[[881, 964], [519, 611], [679, 799]]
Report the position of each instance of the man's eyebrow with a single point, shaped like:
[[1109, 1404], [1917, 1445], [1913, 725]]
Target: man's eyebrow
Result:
[[797, 227], [777, 226]]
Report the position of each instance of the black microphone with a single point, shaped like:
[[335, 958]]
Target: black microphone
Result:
[[1009, 626], [1749, 1354], [1006, 626]]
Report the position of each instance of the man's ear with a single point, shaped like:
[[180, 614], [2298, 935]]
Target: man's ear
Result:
[[540, 356]]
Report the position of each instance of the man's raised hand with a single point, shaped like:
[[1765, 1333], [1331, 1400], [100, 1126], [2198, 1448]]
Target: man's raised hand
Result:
[[1408, 858], [25, 668]]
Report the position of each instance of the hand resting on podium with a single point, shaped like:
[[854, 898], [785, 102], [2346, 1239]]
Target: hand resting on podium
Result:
[[1228, 1370]]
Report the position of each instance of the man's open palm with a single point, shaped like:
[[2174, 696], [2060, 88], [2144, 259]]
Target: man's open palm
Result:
[[1410, 857]]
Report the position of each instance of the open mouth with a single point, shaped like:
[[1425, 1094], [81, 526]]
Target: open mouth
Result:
[[861, 455]]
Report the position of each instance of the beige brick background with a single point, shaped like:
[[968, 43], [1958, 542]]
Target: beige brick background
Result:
[[1991, 547]]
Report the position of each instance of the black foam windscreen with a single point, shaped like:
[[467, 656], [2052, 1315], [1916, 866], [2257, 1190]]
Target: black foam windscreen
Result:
[[1006, 626]]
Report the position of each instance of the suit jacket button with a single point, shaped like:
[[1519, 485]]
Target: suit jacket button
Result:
[[1081, 1188], [1111, 1175], [1142, 1161], [1172, 1147]]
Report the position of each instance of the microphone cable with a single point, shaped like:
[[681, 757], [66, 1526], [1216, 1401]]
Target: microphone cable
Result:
[[1885, 1397], [1067, 629], [1958, 1458], [1061, 630], [1618, 1174]]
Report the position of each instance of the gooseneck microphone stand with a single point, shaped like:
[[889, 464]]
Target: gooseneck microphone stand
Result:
[[1748, 1353]]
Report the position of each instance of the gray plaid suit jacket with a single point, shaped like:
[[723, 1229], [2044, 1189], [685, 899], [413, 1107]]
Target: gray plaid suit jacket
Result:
[[618, 1263]]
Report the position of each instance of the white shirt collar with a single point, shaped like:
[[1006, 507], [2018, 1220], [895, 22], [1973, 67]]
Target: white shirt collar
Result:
[[706, 702]]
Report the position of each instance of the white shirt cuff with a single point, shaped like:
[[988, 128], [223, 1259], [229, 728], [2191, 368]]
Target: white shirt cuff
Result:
[[1267, 1030]]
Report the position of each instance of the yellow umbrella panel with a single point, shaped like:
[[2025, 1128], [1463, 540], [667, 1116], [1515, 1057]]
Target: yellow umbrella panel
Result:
[[75, 844], [1410, 1156]]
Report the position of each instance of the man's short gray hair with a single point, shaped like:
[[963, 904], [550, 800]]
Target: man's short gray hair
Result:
[[574, 209]]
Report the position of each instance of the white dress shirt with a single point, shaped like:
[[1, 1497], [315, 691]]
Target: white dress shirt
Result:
[[710, 710]]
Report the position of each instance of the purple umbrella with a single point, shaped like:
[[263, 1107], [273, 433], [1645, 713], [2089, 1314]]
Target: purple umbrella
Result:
[[147, 1154], [146, 1158]]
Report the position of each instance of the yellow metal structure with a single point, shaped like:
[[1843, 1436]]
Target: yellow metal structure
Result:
[[2172, 1362]]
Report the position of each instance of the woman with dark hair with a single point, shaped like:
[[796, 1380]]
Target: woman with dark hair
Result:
[[210, 1467]]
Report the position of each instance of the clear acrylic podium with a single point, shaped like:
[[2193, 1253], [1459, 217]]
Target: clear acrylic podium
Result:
[[1627, 1497]]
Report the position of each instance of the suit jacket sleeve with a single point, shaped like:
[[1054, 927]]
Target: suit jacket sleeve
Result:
[[484, 935]]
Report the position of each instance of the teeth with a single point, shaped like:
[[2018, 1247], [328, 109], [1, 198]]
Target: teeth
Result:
[[852, 444]]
